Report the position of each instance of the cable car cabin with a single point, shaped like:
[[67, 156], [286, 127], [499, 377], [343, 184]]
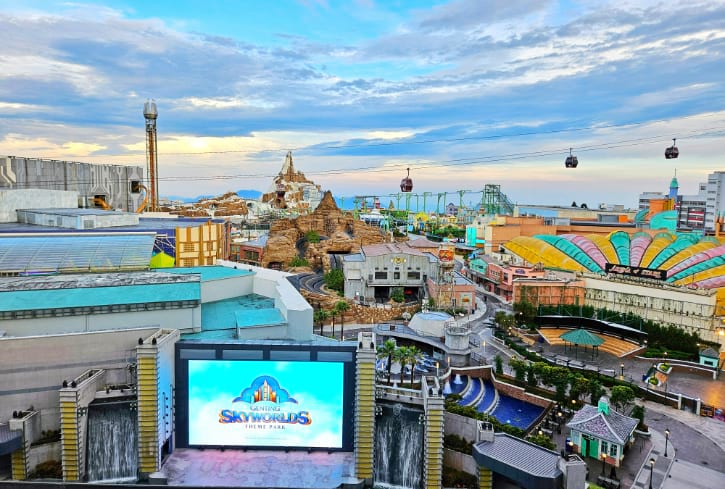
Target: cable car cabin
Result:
[[571, 160], [672, 152], [406, 184]]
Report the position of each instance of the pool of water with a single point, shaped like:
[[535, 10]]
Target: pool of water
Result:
[[515, 412]]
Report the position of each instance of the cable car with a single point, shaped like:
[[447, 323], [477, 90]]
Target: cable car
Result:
[[571, 161], [672, 152], [406, 184]]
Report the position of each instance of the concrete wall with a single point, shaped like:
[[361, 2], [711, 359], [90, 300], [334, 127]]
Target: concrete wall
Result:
[[32, 369], [521, 394], [87, 180], [10, 200], [294, 307], [386, 263], [185, 319], [462, 426], [43, 453], [226, 288], [460, 461]]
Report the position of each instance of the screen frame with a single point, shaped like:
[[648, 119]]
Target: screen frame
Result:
[[216, 351]]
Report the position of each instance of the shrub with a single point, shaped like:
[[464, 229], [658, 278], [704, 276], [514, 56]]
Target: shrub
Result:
[[312, 236], [52, 469], [459, 444], [456, 478], [397, 295], [298, 261], [335, 280]]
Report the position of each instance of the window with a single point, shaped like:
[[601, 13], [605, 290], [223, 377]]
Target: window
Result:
[[613, 450], [381, 275], [396, 275], [604, 448], [413, 275]]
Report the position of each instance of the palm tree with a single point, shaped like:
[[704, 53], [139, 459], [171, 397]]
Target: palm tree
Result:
[[401, 356], [320, 317], [414, 354], [340, 308], [387, 350]]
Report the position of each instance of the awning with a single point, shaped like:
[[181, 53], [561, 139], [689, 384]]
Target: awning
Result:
[[9, 440]]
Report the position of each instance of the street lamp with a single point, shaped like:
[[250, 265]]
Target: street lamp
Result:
[[651, 471], [484, 348], [437, 369], [604, 461], [558, 422], [667, 437], [621, 367]]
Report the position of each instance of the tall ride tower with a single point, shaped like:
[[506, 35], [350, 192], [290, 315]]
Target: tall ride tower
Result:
[[152, 167]]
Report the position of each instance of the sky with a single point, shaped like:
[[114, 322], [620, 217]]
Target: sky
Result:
[[464, 93]]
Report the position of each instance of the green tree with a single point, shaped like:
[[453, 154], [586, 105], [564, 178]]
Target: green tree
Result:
[[340, 308], [543, 441], [397, 295], [335, 280], [622, 396], [595, 391], [638, 412], [578, 385], [499, 364], [531, 376], [412, 355], [387, 351], [519, 367], [320, 317]]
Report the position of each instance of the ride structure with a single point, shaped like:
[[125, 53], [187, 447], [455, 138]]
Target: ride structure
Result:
[[571, 161], [672, 152]]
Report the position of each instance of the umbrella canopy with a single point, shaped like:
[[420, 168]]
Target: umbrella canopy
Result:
[[581, 337]]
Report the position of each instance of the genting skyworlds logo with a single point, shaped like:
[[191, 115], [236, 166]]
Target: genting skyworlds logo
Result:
[[264, 403]]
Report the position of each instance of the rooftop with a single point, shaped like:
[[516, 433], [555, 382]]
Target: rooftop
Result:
[[517, 455], [613, 427], [209, 273], [394, 249]]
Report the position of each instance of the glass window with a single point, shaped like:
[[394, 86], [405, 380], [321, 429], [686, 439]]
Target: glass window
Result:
[[605, 447], [613, 450]]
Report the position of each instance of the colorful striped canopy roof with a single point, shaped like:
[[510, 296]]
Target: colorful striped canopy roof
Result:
[[687, 259]]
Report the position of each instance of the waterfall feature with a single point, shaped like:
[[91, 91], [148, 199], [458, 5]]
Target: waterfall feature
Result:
[[112, 442], [399, 447], [457, 380]]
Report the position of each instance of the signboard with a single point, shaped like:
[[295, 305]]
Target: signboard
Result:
[[642, 272], [446, 254], [265, 403]]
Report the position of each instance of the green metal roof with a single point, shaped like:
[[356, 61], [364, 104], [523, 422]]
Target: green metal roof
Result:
[[581, 337]]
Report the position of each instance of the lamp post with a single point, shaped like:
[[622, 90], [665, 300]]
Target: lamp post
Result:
[[667, 437], [621, 369], [651, 471], [484, 348], [604, 461], [437, 369], [558, 420]]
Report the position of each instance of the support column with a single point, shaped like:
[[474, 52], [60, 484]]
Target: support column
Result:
[[365, 407], [70, 419], [148, 409], [434, 430], [485, 478]]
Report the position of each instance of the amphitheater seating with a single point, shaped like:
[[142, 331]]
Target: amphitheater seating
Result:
[[612, 345]]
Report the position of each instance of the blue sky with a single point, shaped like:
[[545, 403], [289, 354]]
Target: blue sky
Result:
[[465, 93]]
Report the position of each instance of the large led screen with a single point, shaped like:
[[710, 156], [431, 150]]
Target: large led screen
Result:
[[265, 403]]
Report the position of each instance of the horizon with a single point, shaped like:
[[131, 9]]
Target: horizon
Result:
[[457, 91]]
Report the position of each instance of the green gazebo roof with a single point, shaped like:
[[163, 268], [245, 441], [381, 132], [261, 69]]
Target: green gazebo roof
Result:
[[581, 337]]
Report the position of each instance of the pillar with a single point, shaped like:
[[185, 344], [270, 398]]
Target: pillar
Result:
[[365, 407], [148, 408], [433, 455], [485, 478], [72, 456]]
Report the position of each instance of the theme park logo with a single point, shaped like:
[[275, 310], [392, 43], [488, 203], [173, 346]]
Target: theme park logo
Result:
[[264, 403], [635, 271]]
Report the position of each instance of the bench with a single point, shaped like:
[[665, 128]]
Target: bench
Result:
[[608, 483]]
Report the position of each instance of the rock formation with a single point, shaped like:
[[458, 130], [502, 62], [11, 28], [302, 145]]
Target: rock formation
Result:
[[340, 233]]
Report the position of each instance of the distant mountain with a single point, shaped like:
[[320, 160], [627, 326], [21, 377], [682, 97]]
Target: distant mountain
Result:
[[245, 194]]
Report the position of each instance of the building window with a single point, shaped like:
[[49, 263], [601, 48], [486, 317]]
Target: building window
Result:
[[613, 450], [396, 275], [413, 275], [605, 447], [381, 275]]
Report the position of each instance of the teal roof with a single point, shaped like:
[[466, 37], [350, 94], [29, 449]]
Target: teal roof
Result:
[[75, 253], [664, 220], [212, 272], [581, 337], [225, 314], [620, 241], [22, 300]]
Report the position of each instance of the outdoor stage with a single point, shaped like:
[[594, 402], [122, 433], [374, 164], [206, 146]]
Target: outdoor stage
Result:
[[256, 468]]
